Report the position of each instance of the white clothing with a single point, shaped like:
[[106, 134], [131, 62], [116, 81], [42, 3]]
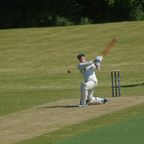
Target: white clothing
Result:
[[87, 69], [87, 91]]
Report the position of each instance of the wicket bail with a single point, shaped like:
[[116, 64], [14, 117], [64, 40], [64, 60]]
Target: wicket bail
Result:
[[115, 81]]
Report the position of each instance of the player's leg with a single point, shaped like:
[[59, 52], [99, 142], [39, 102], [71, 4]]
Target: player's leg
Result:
[[92, 85], [86, 90], [94, 100], [84, 94]]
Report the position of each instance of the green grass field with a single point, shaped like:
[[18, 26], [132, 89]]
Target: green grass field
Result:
[[34, 64], [129, 132], [102, 129]]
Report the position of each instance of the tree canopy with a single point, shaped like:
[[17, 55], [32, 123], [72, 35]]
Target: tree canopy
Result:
[[39, 13]]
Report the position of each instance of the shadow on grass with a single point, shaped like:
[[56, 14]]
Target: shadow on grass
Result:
[[60, 106], [132, 85]]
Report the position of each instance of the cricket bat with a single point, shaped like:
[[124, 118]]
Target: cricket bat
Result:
[[108, 47]]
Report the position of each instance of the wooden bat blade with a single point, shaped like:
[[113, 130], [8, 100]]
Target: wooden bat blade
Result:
[[108, 47]]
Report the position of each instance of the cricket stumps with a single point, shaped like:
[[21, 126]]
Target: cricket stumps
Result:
[[115, 83]]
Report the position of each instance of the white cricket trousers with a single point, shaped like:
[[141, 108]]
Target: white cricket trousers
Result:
[[86, 89]]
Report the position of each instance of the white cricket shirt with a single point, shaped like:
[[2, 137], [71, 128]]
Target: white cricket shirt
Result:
[[88, 71]]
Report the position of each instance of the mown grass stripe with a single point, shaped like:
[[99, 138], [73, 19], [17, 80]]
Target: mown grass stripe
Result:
[[128, 131], [87, 126], [34, 62]]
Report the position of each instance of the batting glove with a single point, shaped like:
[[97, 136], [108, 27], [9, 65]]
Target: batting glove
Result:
[[99, 59]]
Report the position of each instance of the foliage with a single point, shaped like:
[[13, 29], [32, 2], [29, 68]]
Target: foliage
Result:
[[137, 12], [38, 13]]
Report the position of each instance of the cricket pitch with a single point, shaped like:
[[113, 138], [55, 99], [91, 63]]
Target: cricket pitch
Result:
[[52, 116]]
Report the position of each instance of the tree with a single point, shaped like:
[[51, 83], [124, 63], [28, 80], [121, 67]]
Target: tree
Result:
[[137, 10], [126, 9], [39, 13]]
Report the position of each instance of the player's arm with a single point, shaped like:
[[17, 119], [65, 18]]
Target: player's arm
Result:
[[91, 64], [97, 62], [84, 65]]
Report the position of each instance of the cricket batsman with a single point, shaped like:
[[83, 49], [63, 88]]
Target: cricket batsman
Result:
[[87, 69]]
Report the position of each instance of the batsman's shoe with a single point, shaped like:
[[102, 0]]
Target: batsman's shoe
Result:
[[101, 100], [105, 100], [87, 101], [96, 101], [92, 101], [82, 105]]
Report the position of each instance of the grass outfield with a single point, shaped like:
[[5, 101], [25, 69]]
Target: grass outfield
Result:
[[34, 62], [129, 132], [80, 131]]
